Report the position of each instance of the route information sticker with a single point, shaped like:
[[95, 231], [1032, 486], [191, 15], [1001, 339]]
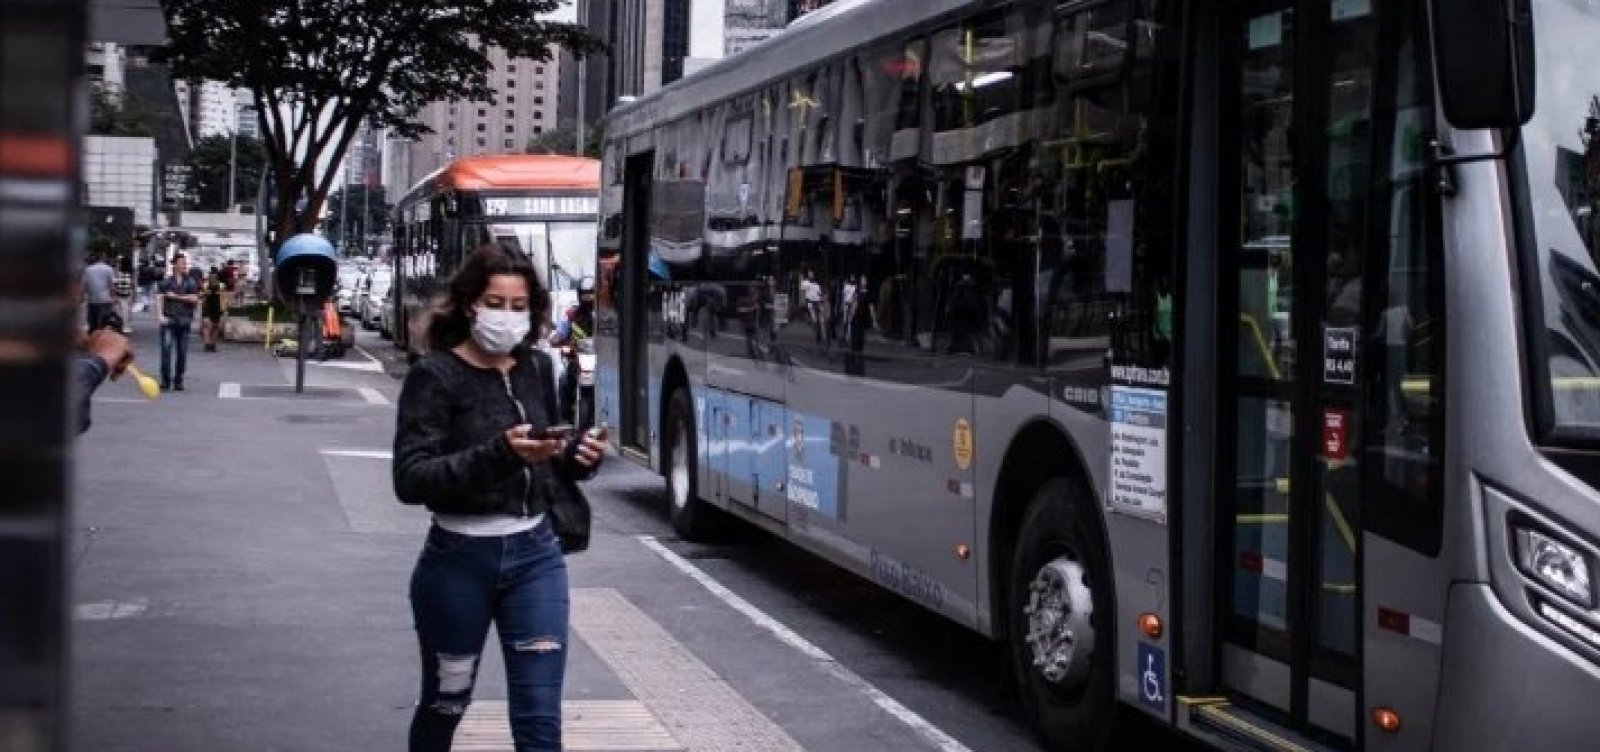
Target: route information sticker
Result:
[[1139, 451]]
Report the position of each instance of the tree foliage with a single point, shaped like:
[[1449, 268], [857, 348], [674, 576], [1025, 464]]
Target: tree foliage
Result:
[[367, 205], [208, 162], [563, 139], [114, 113], [318, 70]]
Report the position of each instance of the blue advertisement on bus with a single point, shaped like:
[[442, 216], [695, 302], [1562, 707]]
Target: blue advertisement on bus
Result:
[[813, 481]]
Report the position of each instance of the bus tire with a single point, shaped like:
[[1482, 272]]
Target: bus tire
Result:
[[1059, 610], [692, 518]]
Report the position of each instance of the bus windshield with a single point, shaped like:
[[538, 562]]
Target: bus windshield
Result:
[[563, 251], [1562, 145]]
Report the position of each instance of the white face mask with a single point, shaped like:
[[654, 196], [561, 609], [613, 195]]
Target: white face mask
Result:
[[499, 331]]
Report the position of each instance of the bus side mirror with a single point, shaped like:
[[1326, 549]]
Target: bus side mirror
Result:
[[1485, 61]]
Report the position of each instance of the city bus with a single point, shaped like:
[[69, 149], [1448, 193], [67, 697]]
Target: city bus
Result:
[[541, 205], [1233, 363]]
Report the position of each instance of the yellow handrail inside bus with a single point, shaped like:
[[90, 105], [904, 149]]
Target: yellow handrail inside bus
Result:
[[1261, 345], [1346, 533]]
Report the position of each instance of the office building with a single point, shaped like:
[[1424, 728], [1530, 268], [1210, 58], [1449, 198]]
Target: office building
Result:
[[526, 98]]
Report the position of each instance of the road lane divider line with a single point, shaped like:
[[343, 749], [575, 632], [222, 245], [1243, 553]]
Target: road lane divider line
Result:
[[365, 454], [827, 663], [372, 396], [696, 706]]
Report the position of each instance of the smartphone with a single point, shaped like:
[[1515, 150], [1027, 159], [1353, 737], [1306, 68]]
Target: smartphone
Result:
[[556, 432]]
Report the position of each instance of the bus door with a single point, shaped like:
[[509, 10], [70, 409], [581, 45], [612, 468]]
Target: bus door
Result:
[[633, 360], [1297, 81]]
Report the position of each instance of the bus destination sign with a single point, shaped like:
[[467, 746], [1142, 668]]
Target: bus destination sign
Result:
[[507, 206]]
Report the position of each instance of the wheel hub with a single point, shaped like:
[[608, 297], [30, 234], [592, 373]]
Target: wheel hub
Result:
[[1060, 635]]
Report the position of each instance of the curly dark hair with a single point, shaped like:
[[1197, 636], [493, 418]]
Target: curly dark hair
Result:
[[450, 321]]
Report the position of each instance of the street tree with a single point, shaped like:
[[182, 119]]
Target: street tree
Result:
[[318, 71], [366, 205], [563, 139], [116, 113], [209, 167]]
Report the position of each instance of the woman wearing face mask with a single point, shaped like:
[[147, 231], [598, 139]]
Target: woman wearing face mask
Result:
[[472, 446]]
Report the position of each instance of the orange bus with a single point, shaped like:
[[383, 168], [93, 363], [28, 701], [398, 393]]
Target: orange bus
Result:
[[541, 205]]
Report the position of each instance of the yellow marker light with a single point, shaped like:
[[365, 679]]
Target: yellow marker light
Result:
[[1386, 719], [1150, 625]]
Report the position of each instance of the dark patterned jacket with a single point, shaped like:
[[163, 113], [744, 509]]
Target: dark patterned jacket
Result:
[[450, 450]]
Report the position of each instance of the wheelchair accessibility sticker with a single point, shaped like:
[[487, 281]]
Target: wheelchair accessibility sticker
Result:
[[1153, 677]]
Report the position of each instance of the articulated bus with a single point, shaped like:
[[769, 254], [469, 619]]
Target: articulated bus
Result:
[[1234, 362], [543, 206]]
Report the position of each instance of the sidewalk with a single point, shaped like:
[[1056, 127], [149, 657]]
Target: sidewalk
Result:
[[239, 588], [241, 576]]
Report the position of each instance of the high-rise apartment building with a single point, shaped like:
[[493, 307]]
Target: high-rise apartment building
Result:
[[527, 93], [210, 108], [651, 41], [105, 63]]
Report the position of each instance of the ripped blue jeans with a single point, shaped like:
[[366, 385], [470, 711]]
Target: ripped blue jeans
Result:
[[461, 584]]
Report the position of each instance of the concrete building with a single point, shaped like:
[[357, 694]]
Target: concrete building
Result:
[[527, 94], [656, 42], [121, 171], [105, 64], [216, 109]]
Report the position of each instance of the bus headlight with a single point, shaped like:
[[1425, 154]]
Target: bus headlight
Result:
[[1560, 567]]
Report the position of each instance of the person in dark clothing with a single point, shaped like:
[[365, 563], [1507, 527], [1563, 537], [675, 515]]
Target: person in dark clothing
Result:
[[211, 310], [575, 327], [176, 298], [472, 445]]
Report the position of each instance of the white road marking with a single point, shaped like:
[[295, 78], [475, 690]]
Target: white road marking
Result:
[[373, 396], [690, 699], [363, 367], [119, 400], [827, 663], [228, 390], [366, 454], [107, 610]]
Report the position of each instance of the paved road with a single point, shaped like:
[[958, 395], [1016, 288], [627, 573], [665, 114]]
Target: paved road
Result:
[[240, 580]]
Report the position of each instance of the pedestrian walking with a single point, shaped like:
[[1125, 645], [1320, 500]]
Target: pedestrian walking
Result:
[[474, 444], [177, 297], [122, 293], [97, 281], [211, 310], [812, 293]]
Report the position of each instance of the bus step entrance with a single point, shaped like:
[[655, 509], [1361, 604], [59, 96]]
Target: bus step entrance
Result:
[[1238, 728]]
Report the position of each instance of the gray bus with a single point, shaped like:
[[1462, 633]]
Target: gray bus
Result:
[[1235, 363]]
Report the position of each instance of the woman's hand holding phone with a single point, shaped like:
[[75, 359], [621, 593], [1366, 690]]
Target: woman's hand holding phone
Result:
[[590, 448], [532, 449]]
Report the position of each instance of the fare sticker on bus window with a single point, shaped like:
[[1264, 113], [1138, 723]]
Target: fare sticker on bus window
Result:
[[1139, 451]]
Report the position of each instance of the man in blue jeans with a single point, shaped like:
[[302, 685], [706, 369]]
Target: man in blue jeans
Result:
[[176, 298]]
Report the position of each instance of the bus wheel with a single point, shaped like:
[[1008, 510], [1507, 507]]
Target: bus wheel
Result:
[[1059, 604], [691, 517]]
